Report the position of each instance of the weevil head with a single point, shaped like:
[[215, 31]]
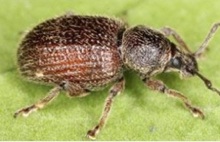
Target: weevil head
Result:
[[184, 63]]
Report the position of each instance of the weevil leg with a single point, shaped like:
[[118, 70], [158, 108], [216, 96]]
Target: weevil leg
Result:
[[167, 31], [208, 38], [161, 87], [113, 92], [40, 104]]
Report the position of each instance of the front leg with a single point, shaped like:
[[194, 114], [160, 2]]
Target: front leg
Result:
[[161, 87], [208, 38], [167, 31], [114, 91]]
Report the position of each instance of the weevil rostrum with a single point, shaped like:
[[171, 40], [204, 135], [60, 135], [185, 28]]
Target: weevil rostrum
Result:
[[80, 54]]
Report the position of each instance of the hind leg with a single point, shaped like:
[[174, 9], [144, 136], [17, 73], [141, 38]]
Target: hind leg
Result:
[[40, 104], [73, 90]]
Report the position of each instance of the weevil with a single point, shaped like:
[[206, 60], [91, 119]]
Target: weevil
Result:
[[80, 54]]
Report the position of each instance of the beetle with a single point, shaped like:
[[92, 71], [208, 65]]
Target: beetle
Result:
[[80, 54]]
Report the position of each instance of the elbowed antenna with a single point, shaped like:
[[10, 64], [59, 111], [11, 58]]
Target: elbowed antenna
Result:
[[208, 38], [207, 82]]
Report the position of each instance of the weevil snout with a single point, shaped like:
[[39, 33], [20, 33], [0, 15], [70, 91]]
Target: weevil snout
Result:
[[189, 66]]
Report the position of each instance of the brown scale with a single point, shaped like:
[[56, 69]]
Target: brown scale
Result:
[[80, 54]]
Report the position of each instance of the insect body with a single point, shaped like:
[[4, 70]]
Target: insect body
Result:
[[80, 54]]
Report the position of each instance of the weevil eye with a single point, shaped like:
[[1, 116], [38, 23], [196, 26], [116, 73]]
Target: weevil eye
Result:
[[176, 62]]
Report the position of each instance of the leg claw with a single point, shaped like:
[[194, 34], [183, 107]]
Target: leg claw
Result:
[[91, 135], [198, 113], [25, 111]]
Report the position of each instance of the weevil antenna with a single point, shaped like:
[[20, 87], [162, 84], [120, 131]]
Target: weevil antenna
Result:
[[208, 38], [207, 82]]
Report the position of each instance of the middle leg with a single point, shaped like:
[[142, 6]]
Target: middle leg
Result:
[[114, 91]]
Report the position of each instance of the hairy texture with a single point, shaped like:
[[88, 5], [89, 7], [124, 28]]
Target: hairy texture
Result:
[[145, 50], [72, 49]]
